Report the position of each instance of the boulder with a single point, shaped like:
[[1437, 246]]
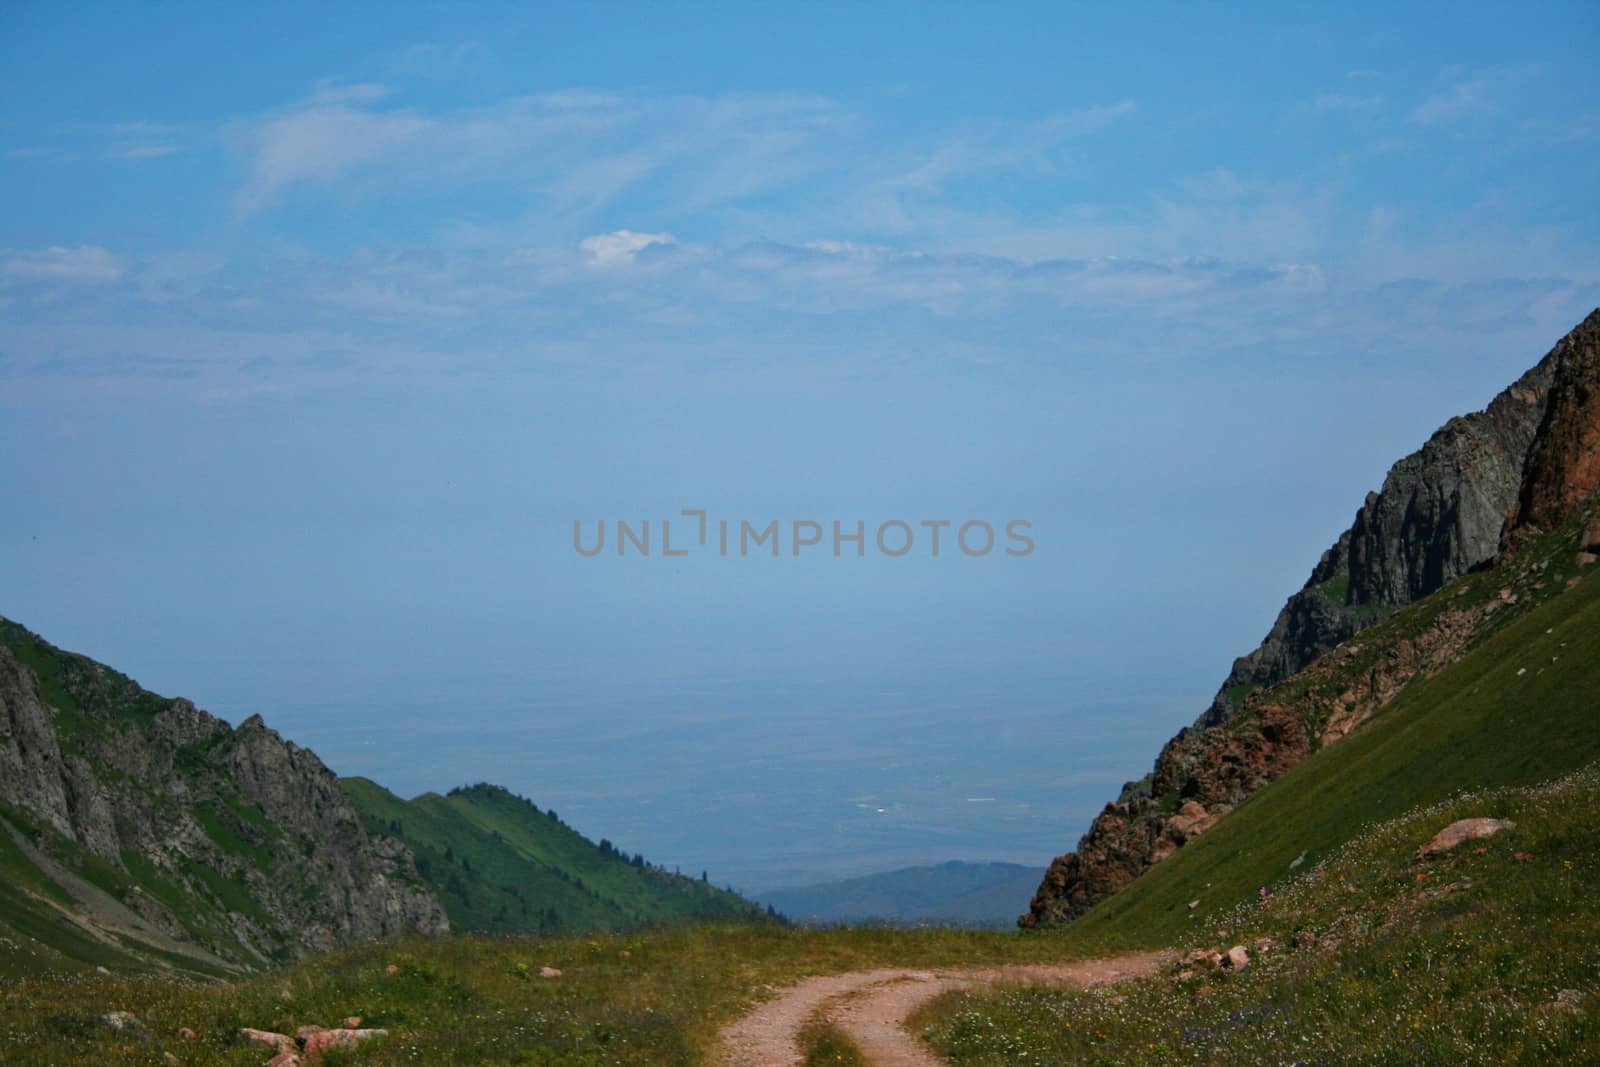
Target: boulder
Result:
[[1460, 831], [318, 1044], [275, 1041], [1237, 958], [549, 972]]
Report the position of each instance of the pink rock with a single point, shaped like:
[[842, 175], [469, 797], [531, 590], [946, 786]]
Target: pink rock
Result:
[[318, 1044], [306, 1031], [352, 1022], [284, 1059], [185, 1034], [276, 1042], [1462, 830], [549, 972], [1238, 958]]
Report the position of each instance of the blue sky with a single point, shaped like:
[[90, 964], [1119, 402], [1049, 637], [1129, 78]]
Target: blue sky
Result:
[[319, 328]]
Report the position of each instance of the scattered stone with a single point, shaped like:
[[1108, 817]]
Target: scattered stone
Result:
[[125, 1022], [169, 1059], [318, 1044], [549, 972], [1304, 939], [1522, 857], [1587, 559], [1460, 831], [1265, 945], [1566, 1000], [1184, 975], [1193, 904], [185, 1034], [626, 954], [102, 970], [1591, 535], [1204, 958], [1238, 959], [352, 1022], [392, 969], [1202, 992], [1298, 860], [285, 1059], [275, 1041]]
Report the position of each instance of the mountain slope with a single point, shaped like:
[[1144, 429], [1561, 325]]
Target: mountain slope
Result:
[[501, 865], [1520, 707], [140, 833], [155, 831], [953, 894], [1303, 688]]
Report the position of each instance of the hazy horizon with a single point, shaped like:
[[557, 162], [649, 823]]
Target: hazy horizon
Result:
[[314, 351]]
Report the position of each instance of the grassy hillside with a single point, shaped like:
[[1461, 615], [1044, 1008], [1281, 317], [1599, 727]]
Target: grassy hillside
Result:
[[1485, 955], [501, 865], [651, 999], [1523, 706], [1467, 965]]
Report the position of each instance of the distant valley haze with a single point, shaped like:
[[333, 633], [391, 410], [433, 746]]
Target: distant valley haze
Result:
[[315, 353]]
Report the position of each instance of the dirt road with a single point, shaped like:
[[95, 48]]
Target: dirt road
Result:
[[872, 1007]]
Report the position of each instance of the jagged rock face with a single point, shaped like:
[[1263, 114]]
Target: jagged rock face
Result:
[[1439, 514], [1530, 459], [216, 811], [31, 770], [1564, 467]]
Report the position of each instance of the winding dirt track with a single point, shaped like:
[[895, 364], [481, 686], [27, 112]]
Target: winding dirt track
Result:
[[872, 1007]]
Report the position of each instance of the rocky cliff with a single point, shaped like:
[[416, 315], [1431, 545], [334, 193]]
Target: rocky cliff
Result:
[[1484, 484], [231, 841]]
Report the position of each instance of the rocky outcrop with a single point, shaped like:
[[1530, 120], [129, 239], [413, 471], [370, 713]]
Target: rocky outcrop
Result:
[[1440, 513], [1564, 463], [1481, 485], [233, 839]]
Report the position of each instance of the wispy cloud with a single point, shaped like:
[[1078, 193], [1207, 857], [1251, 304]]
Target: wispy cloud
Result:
[[143, 140], [1462, 100], [567, 155], [83, 265]]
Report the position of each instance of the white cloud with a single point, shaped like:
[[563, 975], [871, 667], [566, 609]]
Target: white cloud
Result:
[[324, 138], [618, 248], [1461, 100], [85, 264]]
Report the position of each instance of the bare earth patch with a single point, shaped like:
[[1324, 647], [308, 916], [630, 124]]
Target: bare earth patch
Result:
[[872, 1007]]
